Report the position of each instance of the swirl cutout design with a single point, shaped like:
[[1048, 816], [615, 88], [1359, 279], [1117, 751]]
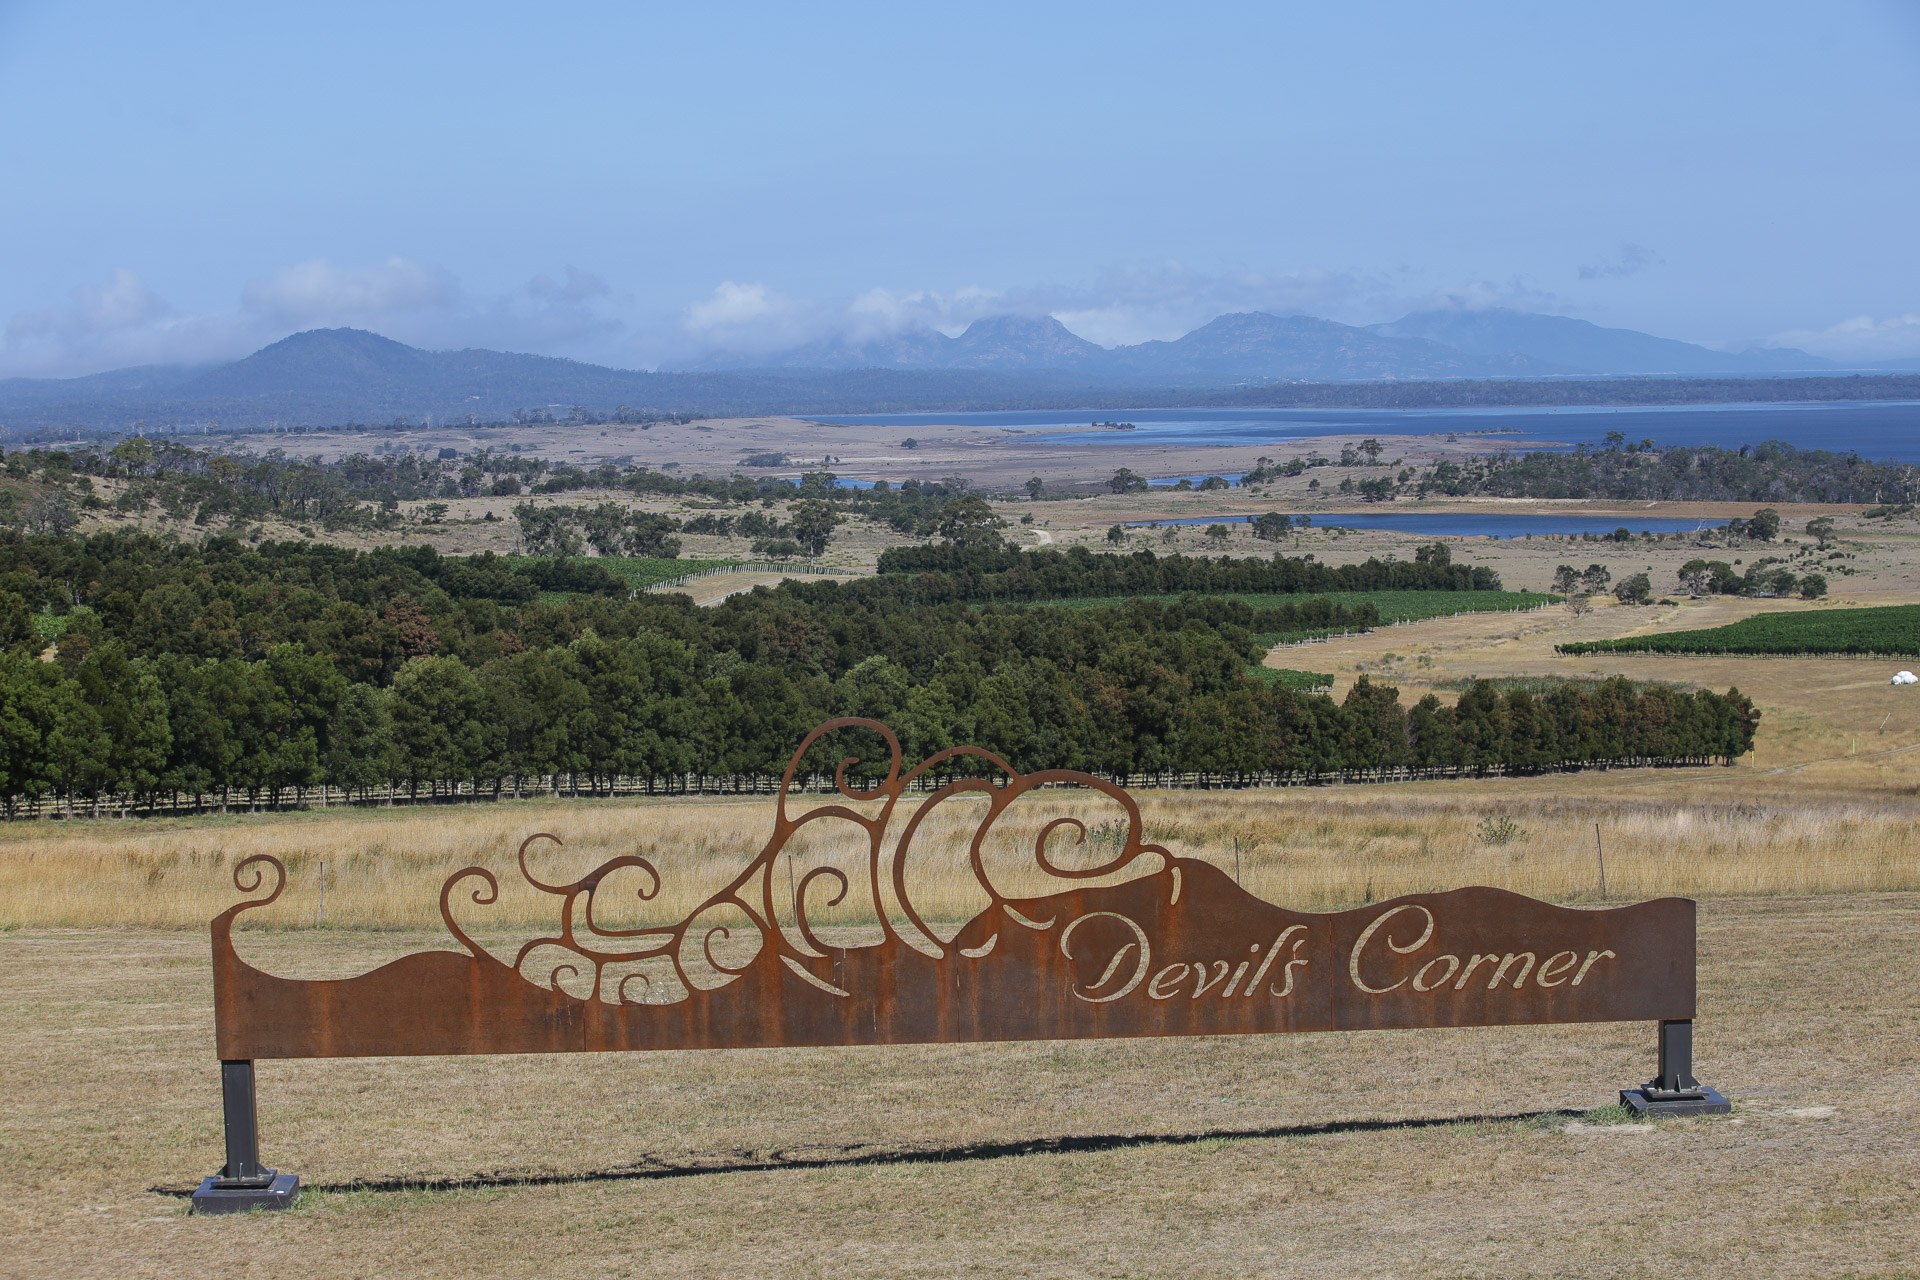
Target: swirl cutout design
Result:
[[258, 864], [752, 894]]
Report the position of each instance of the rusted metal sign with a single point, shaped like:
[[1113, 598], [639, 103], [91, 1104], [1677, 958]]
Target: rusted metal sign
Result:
[[1160, 946]]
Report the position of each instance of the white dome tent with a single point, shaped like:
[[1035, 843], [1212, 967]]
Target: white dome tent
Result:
[[1904, 677]]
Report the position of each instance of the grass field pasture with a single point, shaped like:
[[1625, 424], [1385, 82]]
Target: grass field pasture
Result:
[[1834, 722], [1487, 1152], [1474, 1152], [1316, 849]]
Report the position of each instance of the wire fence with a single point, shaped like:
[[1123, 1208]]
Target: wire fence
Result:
[[745, 566], [160, 804]]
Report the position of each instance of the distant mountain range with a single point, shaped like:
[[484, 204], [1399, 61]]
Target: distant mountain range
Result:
[[1495, 343], [339, 377]]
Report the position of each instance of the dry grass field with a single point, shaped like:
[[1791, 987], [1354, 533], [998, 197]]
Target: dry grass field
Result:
[[1829, 727], [1432, 1153], [1321, 849], [1488, 1152]]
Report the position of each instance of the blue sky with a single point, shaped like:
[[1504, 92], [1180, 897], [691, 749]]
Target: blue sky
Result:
[[633, 183]]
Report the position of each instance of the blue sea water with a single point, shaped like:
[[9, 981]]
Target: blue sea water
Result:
[[1876, 430], [1469, 525]]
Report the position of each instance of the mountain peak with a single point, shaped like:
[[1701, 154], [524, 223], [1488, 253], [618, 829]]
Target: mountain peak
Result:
[[333, 344], [1580, 346], [1022, 342], [329, 360]]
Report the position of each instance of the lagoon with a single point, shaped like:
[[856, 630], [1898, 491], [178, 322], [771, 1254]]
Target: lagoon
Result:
[[1469, 524], [1876, 430]]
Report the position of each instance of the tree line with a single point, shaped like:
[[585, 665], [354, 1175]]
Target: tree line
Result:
[[1626, 469], [156, 669], [955, 572], [209, 490], [592, 712]]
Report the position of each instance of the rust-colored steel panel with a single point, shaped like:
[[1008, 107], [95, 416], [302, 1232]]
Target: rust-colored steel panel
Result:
[[1177, 949]]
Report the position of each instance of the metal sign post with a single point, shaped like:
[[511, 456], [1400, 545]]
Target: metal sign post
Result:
[[242, 1184], [1141, 944]]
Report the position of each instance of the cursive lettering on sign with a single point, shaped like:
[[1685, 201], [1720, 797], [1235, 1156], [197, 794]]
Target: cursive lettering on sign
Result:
[[1221, 977], [1140, 964], [1366, 936], [1512, 968], [1401, 930]]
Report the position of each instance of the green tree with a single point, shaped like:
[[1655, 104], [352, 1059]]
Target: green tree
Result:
[[1272, 527], [1696, 577], [1035, 486], [1765, 525], [1637, 589], [360, 749], [129, 737], [642, 709], [1126, 481], [204, 702], [134, 454], [16, 625], [1377, 726], [1480, 726], [540, 702], [605, 527], [814, 521], [29, 727], [440, 727], [306, 691], [969, 522]]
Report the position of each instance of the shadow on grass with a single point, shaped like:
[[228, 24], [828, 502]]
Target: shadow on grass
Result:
[[827, 1156]]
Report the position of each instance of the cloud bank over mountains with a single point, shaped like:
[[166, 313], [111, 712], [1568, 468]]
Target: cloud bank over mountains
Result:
[[1859, 338], [1121, 306], [121, 322]]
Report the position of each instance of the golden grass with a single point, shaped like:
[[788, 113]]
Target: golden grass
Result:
[[1320, 849], [1386, 1154]]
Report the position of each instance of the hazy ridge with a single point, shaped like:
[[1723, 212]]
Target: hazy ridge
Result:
[[333, 377]]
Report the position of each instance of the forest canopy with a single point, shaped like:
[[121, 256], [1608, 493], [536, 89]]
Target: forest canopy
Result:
[[218, 668]]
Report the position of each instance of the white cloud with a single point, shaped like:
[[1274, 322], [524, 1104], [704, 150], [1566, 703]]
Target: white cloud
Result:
[[123, 322], [732, 306], [317, 292], [882, 311], [1122, 305], [1135, 303], [1860, 338], [748, 320], [123, 302], [112, 325]]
